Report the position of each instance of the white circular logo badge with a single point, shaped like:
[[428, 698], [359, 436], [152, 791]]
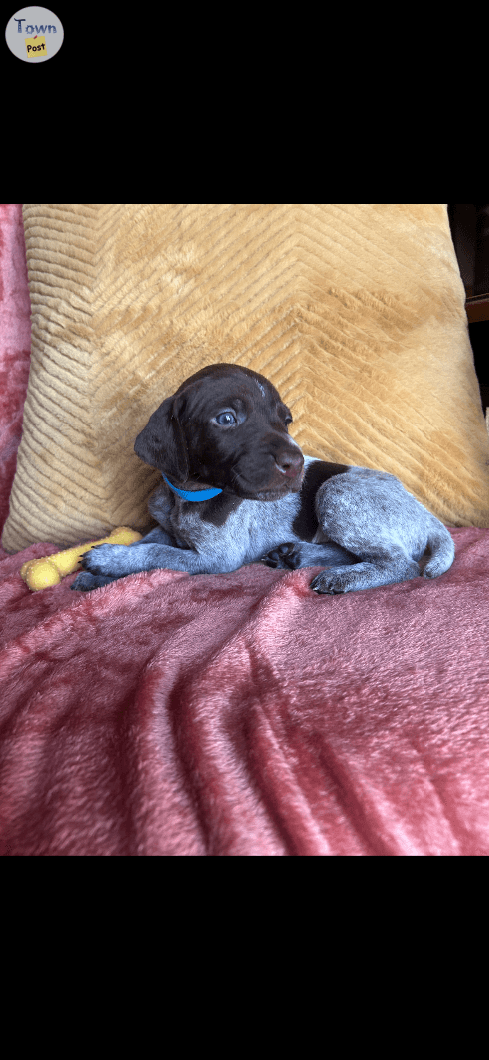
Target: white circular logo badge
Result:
[[34, 34]]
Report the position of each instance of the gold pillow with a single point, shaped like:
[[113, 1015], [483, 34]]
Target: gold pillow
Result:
[[355, 311]]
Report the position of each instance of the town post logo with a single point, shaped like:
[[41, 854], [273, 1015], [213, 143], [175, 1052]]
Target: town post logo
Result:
[[36, 46], [34, 34]]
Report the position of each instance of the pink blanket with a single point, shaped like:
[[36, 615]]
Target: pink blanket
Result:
[[240, 714]]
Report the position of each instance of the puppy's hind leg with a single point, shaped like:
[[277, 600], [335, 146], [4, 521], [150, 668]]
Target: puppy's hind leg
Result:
[[295, 555], [372, 515], [367, 575]]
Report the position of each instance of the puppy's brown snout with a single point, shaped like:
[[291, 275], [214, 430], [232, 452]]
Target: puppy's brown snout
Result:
[[290, 465]]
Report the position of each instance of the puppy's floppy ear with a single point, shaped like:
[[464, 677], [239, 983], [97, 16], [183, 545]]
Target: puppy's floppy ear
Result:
[[162, 443]]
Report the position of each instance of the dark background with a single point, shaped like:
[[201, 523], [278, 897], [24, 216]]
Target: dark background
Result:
[[469, 223]]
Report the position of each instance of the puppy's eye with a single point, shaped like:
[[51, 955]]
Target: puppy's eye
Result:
[[288, 421], [226, 419]]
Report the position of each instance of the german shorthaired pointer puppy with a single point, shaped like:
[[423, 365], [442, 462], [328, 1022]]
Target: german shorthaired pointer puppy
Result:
[[237, 489]]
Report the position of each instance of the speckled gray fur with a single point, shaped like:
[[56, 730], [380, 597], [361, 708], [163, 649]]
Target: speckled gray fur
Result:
[[377, 531]]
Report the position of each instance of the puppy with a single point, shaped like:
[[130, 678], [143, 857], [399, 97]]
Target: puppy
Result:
[[236, 489]]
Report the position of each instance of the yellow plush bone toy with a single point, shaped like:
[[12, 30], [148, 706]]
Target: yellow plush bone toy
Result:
[[44, 573]]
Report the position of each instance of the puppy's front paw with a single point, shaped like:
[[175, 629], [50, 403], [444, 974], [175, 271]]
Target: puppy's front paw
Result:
[[85, 582], [107, 560], [285, 557]]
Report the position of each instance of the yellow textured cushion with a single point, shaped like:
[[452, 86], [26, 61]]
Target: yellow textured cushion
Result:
[[355, 311]]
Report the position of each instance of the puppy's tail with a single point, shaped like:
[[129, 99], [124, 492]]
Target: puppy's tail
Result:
[[442, 551]]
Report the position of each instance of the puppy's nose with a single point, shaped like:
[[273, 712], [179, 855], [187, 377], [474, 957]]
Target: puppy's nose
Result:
[[290, 465]]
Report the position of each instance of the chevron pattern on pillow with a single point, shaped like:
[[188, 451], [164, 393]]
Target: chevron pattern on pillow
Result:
[[354, 311]]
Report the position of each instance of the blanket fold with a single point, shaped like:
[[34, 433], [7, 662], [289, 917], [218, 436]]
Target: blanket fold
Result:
[[242, 715]]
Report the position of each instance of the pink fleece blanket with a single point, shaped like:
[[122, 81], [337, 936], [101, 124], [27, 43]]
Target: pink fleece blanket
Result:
[[240, 714]]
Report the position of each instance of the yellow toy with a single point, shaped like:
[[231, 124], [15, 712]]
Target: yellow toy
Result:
[[44, 573]]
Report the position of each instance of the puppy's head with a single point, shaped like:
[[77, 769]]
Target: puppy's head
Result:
[[225, 427]]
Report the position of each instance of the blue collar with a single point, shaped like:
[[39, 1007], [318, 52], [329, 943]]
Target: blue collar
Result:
[[198, 495]]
